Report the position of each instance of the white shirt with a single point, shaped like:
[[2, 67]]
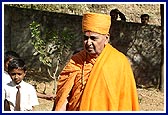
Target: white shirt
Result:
[[6, 78], [27, 92]]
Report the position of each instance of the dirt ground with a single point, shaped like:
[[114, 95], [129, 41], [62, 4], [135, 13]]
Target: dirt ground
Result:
[[149, 99]]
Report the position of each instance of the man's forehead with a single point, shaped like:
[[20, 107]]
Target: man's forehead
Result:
[[89, 33]]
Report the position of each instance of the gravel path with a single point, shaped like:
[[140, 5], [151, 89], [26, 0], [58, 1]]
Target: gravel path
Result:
[[149, 99]]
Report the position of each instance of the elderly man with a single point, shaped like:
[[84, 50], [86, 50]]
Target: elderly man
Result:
[[98, 78]]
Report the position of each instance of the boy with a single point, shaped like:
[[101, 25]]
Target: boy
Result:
[[144, 19], [8, 56], [28, 96]]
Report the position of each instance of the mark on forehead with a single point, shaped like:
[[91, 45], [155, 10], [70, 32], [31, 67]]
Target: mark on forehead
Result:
[[89, 33]]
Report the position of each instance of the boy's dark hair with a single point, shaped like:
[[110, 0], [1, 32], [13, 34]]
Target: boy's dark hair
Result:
[[16, 64], [10, 54], [144, 15]]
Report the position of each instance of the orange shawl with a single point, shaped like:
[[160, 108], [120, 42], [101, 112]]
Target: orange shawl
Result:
[[111, 85], [70, 81]]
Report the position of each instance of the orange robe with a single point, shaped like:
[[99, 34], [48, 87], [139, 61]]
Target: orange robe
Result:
[[109, 83]]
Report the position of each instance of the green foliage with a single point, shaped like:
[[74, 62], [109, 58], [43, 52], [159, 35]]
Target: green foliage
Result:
[[50, 45], [39, 44]]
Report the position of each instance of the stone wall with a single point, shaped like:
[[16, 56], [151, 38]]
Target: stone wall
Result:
[[141, 44], [143, 47], [17, 35], [131, 11]]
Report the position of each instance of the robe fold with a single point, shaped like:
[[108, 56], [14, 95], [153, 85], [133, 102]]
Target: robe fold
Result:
[[109, 83]]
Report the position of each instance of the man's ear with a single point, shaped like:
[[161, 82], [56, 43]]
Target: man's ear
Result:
[[107, 39]]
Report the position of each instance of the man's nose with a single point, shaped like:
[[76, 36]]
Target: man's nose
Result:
[[89, 41]]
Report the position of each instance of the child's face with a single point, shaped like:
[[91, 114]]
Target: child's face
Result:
[[6, 64], [144, 20], [17, 75]]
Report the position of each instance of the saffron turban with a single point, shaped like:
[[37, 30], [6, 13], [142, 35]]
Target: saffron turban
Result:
[[95, 22]]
